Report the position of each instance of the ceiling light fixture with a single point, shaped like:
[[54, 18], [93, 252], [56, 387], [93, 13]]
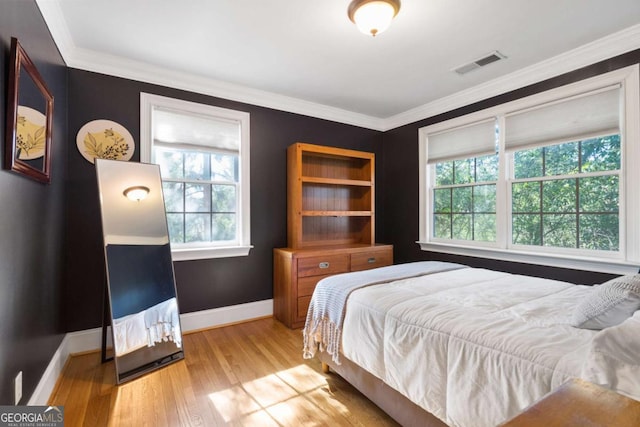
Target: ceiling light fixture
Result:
[[136, 193], [373, 16]]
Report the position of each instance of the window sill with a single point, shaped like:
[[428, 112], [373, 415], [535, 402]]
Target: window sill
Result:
[[586, 264], [209, 253]]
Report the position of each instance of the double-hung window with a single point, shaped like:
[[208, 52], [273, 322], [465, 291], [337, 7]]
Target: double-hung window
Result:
[[465, 166], [203, 154], [551, 179]]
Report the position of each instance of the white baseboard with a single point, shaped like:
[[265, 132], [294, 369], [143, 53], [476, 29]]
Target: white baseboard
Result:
[[90, 339], [225, 315]]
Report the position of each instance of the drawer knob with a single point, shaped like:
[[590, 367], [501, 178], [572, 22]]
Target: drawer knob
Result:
[[323, 265], [371, 260]]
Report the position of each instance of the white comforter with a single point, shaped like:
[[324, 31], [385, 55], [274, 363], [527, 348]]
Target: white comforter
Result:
[[474, 347]]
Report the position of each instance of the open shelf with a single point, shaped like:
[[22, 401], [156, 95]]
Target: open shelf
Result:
[[336, 213], [330, 196], [347, 166], [336, 230], [335, 181]]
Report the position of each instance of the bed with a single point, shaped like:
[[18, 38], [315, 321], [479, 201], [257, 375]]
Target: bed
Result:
[[159, 323], [438, 344]]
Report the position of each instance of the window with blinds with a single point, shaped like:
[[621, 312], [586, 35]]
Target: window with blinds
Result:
[[551, 174], [466, 172], [565, 183], [203, 156]]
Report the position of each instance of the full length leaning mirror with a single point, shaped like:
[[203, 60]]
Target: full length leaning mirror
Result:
[[145, 321]]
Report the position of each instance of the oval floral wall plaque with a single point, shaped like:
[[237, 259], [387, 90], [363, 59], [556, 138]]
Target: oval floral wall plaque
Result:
[[30, 133], [105, 139]]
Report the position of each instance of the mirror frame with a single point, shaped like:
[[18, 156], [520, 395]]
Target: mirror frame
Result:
[[19, 60], [110, 190]]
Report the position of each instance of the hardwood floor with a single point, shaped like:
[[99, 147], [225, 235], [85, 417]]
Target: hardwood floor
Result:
[[250, 374]]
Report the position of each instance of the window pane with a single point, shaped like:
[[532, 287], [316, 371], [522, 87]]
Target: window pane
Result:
[[462, 199], [484, 198], [170, 161], [197, 198], [526, 230], [484, 227], [599, 194], [224, 167], [599, 232], [525, 197], [601, 154], [173, 196], [196, 165], [487, 168], [442, 198], [559, 195], [223, 198], [176, 227], [442, 227], [224, 227], [462, 227], [561, 159], [560, 230], [197, 228], [444, 173], [528, 163], [463, 171]]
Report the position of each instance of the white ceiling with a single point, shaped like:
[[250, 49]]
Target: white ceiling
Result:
[[306, 56]]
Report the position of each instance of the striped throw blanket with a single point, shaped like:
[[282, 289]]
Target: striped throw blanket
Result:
[[323, 326]]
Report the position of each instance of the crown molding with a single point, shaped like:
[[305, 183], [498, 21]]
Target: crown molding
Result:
[[117, 66], [54, 18], [598, 50], [607, 47], [135, 70]]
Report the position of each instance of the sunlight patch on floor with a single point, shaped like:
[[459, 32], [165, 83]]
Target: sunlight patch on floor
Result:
[[234, 400], [269, 390], [302, 378], [283, 398]]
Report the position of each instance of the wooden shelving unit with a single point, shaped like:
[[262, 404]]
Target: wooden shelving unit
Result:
[[330, 224], [330, 196]]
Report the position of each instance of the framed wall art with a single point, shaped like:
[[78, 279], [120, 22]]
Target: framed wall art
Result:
[[29, 119]]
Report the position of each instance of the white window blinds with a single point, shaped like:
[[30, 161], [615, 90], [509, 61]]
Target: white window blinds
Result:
[[194, 130], [595, 113], [475, 140]]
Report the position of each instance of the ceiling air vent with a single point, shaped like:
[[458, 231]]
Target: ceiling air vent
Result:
[[480, 62]]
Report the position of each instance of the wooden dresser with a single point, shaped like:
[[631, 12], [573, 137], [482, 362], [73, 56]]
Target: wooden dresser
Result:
[[330, 224], [297, 271]]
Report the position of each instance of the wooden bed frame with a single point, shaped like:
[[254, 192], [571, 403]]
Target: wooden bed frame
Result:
[[397, 406]]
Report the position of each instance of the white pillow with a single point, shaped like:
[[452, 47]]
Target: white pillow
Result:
[[612, 358], [609, 304]]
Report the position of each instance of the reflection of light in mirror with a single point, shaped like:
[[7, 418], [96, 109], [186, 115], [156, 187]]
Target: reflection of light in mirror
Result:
[[136, 193]]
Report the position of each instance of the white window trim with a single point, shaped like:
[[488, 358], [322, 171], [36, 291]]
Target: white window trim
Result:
[[627, 260], [147, 102]]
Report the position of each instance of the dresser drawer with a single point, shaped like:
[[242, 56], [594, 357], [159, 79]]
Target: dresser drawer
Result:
[[303, 306], [306, 285], [323, 265], [371, 259]]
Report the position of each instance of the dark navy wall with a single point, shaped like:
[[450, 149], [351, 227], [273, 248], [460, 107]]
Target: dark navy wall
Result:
[[400, 222], [202, 284], [32, 245]]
